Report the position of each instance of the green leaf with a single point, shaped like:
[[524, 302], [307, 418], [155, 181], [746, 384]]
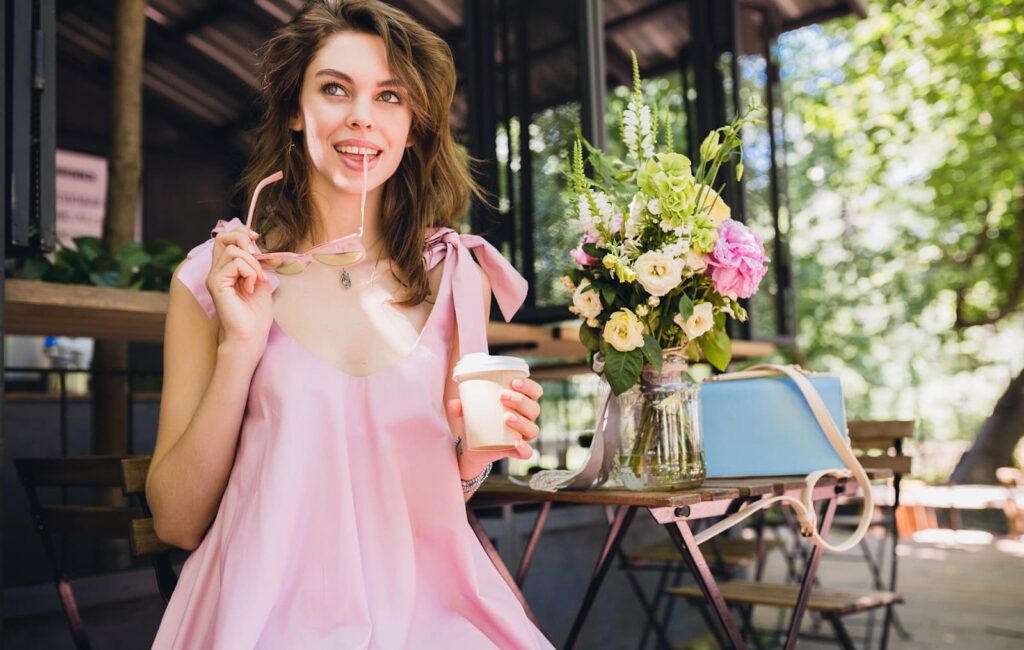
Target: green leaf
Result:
[[622, 369], [592, 250], [607, 295], [589, 337], [105, 278], [132, 255], [652, 351], [717, 348], [89, 248], [685, 306], [35, 268]]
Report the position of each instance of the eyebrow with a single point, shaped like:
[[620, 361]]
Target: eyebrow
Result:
[[345, 77]]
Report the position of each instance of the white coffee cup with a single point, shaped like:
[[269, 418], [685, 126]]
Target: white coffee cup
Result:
[[481, 378]]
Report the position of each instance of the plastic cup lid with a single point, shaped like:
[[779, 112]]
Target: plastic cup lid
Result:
[[477, 362]]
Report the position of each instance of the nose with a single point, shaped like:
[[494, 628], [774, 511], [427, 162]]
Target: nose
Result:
[[361, 116]]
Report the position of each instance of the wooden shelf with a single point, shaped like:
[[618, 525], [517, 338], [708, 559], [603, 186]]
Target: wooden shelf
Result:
[[49, 308]]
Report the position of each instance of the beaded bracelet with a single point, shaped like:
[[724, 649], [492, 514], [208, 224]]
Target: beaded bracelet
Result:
[[473, 484]]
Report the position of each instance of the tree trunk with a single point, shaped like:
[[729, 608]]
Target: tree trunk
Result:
[[993, 446], [125, 168], [110, 391]]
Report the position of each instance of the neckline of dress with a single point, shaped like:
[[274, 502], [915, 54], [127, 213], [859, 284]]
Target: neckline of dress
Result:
[[444, 290]]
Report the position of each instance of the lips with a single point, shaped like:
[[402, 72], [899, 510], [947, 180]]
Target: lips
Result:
[[355, 161]]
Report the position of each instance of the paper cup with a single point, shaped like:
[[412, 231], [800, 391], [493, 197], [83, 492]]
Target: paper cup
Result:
[[481, 378]]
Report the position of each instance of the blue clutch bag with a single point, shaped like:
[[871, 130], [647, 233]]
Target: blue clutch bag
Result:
[[763, 426]]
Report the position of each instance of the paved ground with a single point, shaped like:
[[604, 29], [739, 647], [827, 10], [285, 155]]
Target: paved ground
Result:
[[962, 591], [960, 594]]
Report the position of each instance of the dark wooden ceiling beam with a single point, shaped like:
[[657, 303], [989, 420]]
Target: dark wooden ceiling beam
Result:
[[155, 105]]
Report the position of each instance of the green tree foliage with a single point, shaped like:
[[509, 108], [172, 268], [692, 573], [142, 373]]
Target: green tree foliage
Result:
[[906, 160]]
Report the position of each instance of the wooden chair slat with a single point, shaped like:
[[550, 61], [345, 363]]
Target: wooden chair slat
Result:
[[831, 601], [90, 521], [897, 464], [872, 444], [98, 471], [876, 429], [144, 540], [134, 470]]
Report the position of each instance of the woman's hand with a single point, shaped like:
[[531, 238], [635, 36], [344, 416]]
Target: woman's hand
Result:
[[522, 408], [240, 290]]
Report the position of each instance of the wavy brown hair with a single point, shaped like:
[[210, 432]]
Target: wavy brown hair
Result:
[[432, 185]]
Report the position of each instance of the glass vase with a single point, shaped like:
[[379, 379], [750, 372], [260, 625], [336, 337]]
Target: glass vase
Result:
[[660, 429]]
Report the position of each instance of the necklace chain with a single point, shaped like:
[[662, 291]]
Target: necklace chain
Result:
[[346, 279]]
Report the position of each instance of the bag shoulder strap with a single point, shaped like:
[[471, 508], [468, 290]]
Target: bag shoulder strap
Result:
[[804, 506]]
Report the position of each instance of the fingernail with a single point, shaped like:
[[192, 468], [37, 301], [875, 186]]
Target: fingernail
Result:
[[254, 233], [517, 383], [506, 395], [510, 417]]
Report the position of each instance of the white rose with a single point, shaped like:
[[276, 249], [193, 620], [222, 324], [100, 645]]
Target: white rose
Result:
[[658, 273], [695, 262], [624, 331], [586, 301], [700, 321]]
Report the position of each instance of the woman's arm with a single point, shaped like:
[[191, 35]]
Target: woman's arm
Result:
[[208, 364], [469, 467], [204, 393], [521, 403]]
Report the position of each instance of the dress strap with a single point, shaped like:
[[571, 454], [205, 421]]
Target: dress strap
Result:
[[508, 286]]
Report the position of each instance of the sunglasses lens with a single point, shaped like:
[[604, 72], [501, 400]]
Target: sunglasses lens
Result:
[[282, 265], [339, 259]]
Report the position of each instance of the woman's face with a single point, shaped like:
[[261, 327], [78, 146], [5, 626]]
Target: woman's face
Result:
[[349, 104]]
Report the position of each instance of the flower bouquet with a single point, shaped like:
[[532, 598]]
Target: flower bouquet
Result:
[[659, 267]]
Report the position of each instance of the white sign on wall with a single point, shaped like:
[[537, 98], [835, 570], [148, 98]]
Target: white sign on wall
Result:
[[82, 196]]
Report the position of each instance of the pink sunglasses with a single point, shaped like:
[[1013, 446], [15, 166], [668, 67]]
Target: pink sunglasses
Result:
[[344, 251]]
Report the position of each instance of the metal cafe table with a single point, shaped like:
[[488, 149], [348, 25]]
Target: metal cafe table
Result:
[[675, 511]]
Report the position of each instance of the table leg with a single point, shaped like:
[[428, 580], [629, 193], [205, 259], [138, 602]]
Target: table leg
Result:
[[810, 571], [531, 545], [683, 537], [620, 524], [485, 541]]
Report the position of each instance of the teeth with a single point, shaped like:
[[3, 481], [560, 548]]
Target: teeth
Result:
[[356, 150]]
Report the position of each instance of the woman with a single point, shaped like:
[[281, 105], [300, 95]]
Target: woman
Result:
[[303, 450]]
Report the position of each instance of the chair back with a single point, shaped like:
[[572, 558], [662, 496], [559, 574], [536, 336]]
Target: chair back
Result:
[[879, 444], [133, 522]]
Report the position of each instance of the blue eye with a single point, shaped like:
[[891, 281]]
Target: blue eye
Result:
[[330, 84], [397, 99]]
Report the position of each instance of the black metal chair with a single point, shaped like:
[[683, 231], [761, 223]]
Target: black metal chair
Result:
[[133, 523]]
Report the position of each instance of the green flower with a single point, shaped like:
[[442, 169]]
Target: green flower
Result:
[[670, 180], [704, 233]]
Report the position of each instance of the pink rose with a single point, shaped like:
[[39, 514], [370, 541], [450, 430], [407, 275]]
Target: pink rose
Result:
[[738, 261], [582, 258]]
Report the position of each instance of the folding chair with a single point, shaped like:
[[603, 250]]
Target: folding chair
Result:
[[880, 446], [106, 522]]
